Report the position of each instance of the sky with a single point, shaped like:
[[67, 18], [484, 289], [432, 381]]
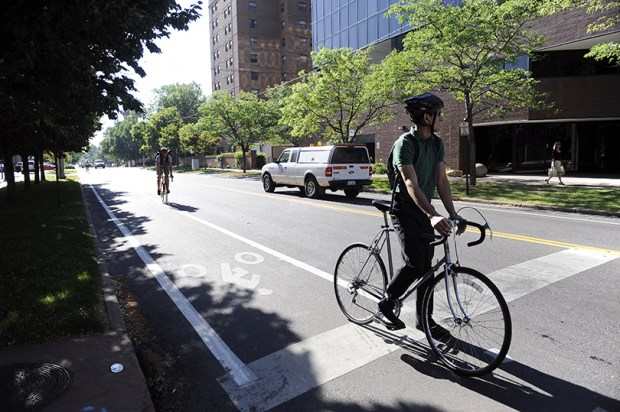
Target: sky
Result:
[[184, 58]]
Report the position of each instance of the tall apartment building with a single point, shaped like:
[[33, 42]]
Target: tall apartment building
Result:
[[256, 44], [586, 117]]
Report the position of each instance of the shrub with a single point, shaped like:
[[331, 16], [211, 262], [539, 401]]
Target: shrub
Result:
[[261, 160], [379, 169]]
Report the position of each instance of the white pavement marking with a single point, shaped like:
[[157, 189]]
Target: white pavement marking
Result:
[[240, 373], [523, 278], [302, 366]]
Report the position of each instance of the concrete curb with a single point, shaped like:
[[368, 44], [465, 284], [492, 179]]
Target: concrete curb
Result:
[[524, 206]]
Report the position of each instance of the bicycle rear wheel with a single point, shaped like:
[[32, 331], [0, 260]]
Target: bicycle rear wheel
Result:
[[480, 337], [359, 282]]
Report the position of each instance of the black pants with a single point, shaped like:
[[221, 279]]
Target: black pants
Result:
[[414, 234]]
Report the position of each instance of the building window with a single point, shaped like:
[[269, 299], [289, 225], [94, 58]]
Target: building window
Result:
[[253, 58], [283, 60], [253, 42], [302, 5], [254, 75], [284, 76], [252, 23], [232, 93], [283, 24], [282, 8], [252, 5], [302, 23], [283, 43]]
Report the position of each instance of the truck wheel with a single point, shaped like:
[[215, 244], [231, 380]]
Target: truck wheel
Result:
[[268, 183], [312, 188], [351, 193]]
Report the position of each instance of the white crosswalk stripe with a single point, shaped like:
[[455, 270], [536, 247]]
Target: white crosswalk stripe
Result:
[[302, 366]]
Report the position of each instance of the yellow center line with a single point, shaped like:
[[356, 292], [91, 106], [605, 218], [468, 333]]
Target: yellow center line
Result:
[[502, 235]]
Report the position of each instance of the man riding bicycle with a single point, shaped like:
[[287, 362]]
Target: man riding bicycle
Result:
[[163, 163], [417, 166]]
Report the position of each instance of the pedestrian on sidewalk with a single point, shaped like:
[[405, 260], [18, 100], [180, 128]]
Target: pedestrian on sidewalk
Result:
[[556, 169]]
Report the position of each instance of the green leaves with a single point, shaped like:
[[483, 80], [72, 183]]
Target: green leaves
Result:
[[341, 97]]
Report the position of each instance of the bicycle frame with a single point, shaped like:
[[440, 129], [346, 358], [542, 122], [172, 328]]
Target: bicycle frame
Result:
[[382, 239]]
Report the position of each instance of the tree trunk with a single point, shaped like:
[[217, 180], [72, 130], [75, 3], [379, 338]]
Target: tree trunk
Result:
[[471, 139], [37, 180], [472, 153], [42, 168], [26, 171], [61, 165], [244, 159], [9, 176]]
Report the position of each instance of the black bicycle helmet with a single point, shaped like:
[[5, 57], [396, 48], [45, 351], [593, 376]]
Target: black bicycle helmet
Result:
[[424, 103]]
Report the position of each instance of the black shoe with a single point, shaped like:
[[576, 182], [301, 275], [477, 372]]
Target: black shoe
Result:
[[437, 332], [158, 192], [168, 191], [386, 307]]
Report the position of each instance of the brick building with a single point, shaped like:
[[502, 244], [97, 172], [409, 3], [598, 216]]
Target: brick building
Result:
[[257, 44], [586, 117]]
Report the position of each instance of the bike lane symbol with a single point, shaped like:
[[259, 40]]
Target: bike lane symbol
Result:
[[241, 277]]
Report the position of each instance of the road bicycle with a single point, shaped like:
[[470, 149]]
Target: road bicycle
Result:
[[461, 300], [164, 186]]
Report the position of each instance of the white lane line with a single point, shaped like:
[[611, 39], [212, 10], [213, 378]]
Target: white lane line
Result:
[[240, 373], [298, 263], [304, 365], [300, 367], [523, 278]]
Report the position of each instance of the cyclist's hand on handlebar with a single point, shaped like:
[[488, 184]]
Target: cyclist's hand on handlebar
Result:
[[460, 223], [441, 225]]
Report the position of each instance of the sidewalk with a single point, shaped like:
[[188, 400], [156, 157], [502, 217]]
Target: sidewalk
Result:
[[540, 180]]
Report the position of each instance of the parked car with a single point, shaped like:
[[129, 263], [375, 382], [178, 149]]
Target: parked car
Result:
[[18, 167], [99, 164], [48, 166], [315, 169]]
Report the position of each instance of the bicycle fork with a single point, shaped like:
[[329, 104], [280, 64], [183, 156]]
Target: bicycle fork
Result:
[[450, 274]]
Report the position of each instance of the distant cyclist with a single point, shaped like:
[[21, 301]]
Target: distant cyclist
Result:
[[163, 163], [416, 165]]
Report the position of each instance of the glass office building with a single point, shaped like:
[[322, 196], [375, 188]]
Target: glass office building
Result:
[[352, 23]]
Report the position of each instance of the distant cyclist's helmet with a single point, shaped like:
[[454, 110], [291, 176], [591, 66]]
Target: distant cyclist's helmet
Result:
[[424, 103], [163, 149]]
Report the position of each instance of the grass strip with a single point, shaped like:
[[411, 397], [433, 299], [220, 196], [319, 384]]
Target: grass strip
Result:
[[49, 277], [598, 199]]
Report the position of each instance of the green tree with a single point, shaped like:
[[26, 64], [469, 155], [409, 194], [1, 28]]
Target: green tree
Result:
[[64, 64], [607, 14], [195, 139], [119, 142], [241, 121], [186, 98], [166, 123], [466, 50], [339, 99], [144, 132]]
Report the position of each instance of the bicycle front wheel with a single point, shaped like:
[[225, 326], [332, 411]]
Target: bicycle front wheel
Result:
[[475, 313], [359, 282]]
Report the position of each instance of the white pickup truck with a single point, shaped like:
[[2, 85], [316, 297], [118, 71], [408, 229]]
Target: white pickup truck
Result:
[[314, 169]]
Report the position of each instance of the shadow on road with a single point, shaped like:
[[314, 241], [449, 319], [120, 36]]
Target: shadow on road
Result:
[[183, 375], [330, 197], [183, 208], [514, 384]]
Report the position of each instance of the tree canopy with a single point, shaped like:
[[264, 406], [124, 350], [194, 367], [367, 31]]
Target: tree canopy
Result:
[[339, 99], [469, 51], [65, 64]]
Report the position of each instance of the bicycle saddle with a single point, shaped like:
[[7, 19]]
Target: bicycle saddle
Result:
[[381, 205]]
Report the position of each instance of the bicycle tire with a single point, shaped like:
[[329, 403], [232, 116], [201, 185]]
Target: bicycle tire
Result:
[[447, 349], [350, 291]]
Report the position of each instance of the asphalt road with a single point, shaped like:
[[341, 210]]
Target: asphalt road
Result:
[[235, 284]]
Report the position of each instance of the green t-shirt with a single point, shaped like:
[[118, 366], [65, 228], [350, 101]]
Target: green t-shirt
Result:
[[427, 160]]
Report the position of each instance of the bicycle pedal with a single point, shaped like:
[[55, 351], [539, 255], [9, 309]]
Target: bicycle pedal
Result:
[[389, 325]]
